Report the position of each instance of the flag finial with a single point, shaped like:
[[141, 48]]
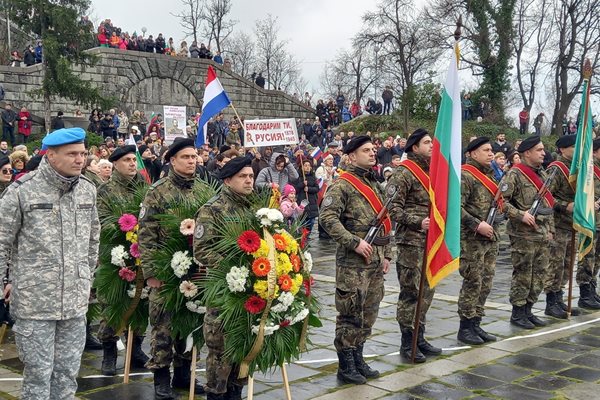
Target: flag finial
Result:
[[458, 31], [587, 69]]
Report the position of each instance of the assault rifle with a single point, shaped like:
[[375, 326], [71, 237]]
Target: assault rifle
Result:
[[377, 222], [539, 197], [493, 216]]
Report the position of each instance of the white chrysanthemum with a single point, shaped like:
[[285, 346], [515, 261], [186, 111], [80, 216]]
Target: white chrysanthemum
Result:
[[275, 215], [118, 255], [189, 289], [269, 215], [236, 279], [143, 295], [308, 262], [285, 299], [270, 328], [181, 263], [300, 316], [194, 306]]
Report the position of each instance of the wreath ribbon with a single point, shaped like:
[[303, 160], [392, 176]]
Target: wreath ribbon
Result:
[[139, 285]]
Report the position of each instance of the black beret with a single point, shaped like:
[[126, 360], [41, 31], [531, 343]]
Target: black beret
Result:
[[4, 160], [566, 141], [178, 145], [234, 166], [477, 143], [596, 144], [414, 139], [224, 148], [121, 152], [354, 143], [142, 149], [529, 143]]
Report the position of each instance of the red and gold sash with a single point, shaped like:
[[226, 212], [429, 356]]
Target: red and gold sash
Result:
[[534, 178], [370, 195], [597, 172], [486, 181], [417, 172], [561, 165]]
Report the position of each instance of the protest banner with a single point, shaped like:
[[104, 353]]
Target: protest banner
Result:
[[175, 123], [270, 132]]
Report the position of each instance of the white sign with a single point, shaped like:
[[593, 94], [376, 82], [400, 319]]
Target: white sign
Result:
[[175, 123], [270, 132]]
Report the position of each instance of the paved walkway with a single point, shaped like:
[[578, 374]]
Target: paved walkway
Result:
[[561, 361]]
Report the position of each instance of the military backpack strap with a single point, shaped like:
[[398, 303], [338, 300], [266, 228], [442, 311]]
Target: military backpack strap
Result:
[[562, 167]]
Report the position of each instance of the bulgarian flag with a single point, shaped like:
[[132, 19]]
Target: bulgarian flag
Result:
[[443, 238], [581, 176], [140, 163]]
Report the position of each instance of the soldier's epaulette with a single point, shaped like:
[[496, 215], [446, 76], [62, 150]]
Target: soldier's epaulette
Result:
[[158, 183], [22, 179], [212, 200], [85, 178]]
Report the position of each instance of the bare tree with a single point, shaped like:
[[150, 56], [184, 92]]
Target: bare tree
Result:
[[218, 27], [241, 50], [191, 18], [284, 71], [268, 45]]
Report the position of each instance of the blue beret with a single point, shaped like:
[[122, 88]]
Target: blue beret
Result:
[[64, 136]]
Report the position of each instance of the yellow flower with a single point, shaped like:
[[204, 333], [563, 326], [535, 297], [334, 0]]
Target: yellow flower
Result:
[[292, 245], [296, 284], [283, 264], [261, 287], [129, 235], [263, 250]]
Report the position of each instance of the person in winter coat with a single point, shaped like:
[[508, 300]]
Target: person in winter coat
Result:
[[29, 56], [289, 208], [24, 125], [194, 50], [262, 159], [279, 173], [307, 188]]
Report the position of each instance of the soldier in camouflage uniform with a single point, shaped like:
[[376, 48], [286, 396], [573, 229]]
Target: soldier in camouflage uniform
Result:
[[410, 210], [222, 382], [180, 181], [49, 217], [592, 260], [123, 183], [345, 215], [530, 236], [479, 241]]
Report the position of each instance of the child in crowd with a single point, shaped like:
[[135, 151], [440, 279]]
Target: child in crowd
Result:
[[288, 206]]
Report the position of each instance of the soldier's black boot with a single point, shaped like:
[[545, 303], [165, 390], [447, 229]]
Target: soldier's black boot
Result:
[[467, 334], [406, 347], [559, 300], [91, 342], [162, 385], [479, 331], [362, 366], [138, 357], [553, 308], [426, 348], [519, 318], [534, 320], [182, 376], [215, 396], [109, 358], [347, 372], [586, 298], [594, 285], [234, 392]]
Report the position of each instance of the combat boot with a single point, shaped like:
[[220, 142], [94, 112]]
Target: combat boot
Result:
[[216, 396], [466, 332], [347, 372], [553, 308], [91, 342], [182, 376], [234, 392], [531, 317], [426, 348], [559, 300], [138, 357], [594, 285], [361, 366], [519, 318], [109, 358], [479, 331], [586, 298], [162, 385], [406, 347]]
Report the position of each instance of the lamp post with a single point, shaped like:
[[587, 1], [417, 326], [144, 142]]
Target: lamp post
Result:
[[144, 30], [376, 48]]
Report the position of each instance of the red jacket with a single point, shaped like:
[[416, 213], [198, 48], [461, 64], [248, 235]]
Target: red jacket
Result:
[[102, 38], [24, 125], [523, 117]]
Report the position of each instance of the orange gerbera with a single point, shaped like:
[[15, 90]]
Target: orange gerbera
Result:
[[285, 282], [296, 263], [280, 242], [261, 266]]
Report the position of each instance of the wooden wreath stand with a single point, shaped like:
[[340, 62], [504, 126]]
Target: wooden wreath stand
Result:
[[286, 385]]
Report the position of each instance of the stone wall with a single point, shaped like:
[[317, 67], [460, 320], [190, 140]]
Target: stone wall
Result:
[[146, 81]]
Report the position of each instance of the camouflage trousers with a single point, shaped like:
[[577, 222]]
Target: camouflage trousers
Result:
[[220, 372], [477, 267], [560, 259], [51, 353], [408, 268], [587, 269], [358, 292], [530, 264], [163, 348]]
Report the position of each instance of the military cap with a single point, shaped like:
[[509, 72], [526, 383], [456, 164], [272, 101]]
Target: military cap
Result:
[[529, 143], [566, 141], [4, 160], [142, 149], [178, 145], [355, 143], [121, 152], [414, 139], [477, 143], [596, 144], [64, 136], [234, 166]]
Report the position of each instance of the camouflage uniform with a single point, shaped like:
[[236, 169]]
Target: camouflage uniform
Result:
[[150, 236], [94, 178], [477, 253], [221, 374], [588, 270], [530, 252], [52, 222], [409, 209]]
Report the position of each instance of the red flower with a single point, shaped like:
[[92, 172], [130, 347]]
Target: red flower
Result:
[[280, 242], [261, 266], [296, 262], [249, 241], [255, 304], [126, 274], [308, 283], [304, 239], [284, 323], [285, 282]]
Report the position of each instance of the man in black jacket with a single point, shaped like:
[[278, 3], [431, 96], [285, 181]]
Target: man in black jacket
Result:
[[307, 188]]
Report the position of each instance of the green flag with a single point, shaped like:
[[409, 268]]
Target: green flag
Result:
[[581, 176]]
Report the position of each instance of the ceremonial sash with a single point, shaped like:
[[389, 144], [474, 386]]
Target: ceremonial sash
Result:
[[597, 173], [563, 168], [369, 194], [486, 181], [535, 180], [417, 172]]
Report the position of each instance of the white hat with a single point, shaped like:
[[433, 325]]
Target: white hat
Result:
[[135, 128]]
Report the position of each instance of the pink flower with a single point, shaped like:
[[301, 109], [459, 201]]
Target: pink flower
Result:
[[127, 222], [126, 274], [134, 250]]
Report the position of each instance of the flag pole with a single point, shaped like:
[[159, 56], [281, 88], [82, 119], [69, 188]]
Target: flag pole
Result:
[[572, 266]]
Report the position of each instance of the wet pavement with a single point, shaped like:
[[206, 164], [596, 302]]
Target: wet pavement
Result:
[[560, 361]]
